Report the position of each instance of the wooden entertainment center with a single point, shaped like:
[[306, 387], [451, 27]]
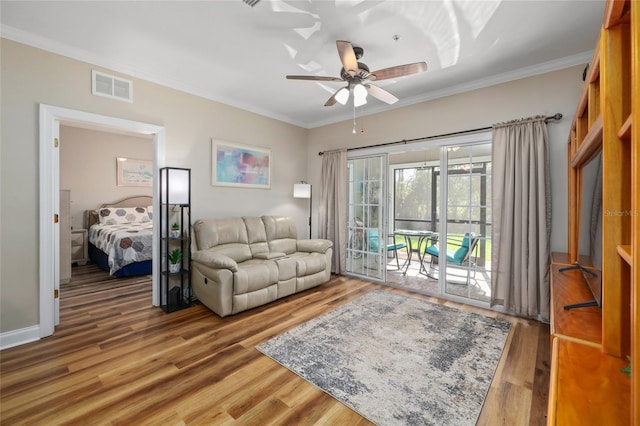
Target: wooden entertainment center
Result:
[[590, 344]]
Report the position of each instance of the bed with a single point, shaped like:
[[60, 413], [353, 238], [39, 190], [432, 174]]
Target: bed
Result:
[[121, 236]]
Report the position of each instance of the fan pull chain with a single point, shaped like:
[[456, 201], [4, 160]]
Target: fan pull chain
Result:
[[354, 118]]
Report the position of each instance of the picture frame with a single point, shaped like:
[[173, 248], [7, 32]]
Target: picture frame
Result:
[[239, 165], [131, 172]]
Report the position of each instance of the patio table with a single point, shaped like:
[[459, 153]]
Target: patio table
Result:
[[421, 235]]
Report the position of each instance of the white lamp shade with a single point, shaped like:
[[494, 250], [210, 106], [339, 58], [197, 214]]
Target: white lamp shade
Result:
[[359, 95], [176, 181], [342, 95], [301, 190]]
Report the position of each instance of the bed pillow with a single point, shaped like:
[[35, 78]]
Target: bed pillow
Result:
[[115, 215]]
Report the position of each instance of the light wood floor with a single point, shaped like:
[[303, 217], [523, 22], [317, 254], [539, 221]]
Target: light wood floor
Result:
[[115, 359]]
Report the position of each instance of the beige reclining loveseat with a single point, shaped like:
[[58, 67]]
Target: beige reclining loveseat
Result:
[[243, 262]]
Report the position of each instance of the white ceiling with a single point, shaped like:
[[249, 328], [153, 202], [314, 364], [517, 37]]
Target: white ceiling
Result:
[[239, 55]]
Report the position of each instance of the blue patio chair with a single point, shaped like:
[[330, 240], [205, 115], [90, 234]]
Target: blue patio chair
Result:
[[460, 257], [373, 245]]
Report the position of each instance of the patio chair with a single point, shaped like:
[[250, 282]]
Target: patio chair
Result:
[[374, 238], [460, 257]]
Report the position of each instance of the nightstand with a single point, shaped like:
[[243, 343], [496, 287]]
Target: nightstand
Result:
[[79, 246]]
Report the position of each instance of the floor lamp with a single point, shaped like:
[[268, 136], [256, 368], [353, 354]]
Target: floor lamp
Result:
[[303, 190]]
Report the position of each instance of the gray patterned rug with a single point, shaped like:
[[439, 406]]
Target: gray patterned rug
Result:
[[397, 359]]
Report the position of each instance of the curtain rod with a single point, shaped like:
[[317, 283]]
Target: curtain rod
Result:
[[556, 116]]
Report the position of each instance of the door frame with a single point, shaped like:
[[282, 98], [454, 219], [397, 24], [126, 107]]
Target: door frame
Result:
[[50, 119]]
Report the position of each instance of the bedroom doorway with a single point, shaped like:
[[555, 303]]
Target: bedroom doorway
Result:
[[49, 254], [90, 165]]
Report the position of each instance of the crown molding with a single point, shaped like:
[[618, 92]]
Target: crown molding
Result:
[[43, 43], [30, 39]]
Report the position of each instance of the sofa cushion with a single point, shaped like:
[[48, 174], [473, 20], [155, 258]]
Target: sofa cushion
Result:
[[308, 265], [226, 236], [281, 233], [252, 276], [256, 235], [287, 268], [214, 232]]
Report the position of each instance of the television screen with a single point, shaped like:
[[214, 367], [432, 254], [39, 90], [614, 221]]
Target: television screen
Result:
[[591, 226]]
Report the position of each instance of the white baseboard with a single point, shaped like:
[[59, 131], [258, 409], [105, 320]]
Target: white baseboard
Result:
[[13, 338]]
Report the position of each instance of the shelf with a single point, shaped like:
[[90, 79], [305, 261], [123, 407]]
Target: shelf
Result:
[[562, 259], [589, 345], [590, 146], [580, 324], [183, 272], [175, 208], [625, 252], [174, 308], [587, 387]]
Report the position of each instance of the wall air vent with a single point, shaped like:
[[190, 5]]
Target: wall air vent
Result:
[[111, 86], [251, 2]]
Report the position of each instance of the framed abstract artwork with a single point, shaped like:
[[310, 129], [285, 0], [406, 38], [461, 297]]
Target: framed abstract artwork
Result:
[[134, 172], [240, 165]]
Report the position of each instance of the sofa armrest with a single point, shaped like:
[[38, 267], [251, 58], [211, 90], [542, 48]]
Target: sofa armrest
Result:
[[215, 260], [315, 245]]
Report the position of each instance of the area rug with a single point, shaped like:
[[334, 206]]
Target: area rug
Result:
[[397, 359]]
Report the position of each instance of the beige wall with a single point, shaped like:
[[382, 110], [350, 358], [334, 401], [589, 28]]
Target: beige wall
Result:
[[88, 167], [545, 94], [30, 76]]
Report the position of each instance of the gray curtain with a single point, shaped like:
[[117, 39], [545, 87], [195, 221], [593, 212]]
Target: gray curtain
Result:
[[333, 206], [521, 218]]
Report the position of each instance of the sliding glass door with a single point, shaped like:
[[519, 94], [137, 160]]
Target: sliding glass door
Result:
[[466, 272], [438, 198], [366, 216], [440, 206]]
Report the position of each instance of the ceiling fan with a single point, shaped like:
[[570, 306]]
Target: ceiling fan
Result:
[[359, 78]]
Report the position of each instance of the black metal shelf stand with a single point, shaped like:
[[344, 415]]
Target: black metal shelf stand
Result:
[[175, 208]]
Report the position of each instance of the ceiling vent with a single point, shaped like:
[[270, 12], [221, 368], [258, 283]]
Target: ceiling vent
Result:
[[251, 2], [111, 86]]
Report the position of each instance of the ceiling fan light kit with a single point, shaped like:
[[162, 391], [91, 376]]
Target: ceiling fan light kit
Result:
[[358, 77], [342, 95], [359, 95]]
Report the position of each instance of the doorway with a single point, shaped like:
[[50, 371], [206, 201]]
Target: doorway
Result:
[[366, 217], [49, 254], [89, 179], [437, 197]]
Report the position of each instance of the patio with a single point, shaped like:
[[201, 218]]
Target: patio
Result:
[[456, 284]]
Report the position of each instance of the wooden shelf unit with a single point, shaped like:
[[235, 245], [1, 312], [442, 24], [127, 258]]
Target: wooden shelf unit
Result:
[[581, 369], [590, 345]]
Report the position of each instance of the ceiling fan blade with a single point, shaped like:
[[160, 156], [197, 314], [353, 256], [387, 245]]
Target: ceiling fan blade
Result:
[[313, 77], [332, 100], [381, 94], [347, 56], [398, 71]]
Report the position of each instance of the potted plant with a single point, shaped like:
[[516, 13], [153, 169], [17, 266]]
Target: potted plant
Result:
[[175, 230], [174, 260]]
